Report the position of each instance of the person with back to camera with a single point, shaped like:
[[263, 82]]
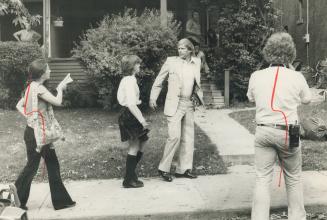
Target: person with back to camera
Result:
[[183, 73], [290, 90], [133, 127], [36, 107]]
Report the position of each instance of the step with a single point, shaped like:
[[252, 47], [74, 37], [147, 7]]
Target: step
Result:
[[216, 93], [219, 98]]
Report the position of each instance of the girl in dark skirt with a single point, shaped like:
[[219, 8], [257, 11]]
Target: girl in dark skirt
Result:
[[132, 125]]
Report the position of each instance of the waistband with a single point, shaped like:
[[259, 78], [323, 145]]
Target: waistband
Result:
[[276, 126]]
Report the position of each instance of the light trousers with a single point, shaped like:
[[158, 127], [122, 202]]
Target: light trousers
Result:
[[270, 144], [180, 137]]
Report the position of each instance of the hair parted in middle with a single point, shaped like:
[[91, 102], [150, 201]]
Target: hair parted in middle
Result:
[[128, 62], [187, 43], [279, 49]]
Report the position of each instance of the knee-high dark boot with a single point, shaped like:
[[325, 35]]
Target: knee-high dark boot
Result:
[[129, 181], [138, 158]]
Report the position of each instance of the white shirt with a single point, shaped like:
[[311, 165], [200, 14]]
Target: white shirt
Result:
[[291, 90], [128, 92]]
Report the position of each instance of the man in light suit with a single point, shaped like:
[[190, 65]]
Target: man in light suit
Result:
[[183, 73]]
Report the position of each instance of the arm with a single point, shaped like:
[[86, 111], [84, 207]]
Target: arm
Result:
[[36, 36], [20, 107], [131, 89], [17, 35], [48, 97], [250, 90], [157, 85], [137, 113], [305, 93]]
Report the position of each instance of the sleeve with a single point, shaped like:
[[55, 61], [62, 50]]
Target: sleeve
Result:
[[42, 90], [305, 93], [130, 92], [250, 94], [157, 85]]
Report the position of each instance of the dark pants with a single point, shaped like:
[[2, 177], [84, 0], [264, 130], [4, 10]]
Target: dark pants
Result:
[[59, 194]]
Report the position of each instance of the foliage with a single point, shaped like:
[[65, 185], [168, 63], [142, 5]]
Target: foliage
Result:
[[244, 26], [17, 8], [76, 97], [102, 48], [14, 60]]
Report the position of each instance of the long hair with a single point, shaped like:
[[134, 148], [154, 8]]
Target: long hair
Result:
[[127, 64], [279, 49]]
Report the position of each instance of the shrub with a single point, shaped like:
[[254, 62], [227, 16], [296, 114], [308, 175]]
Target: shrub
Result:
[[14, 60], [102, 48], [76, 97], [244, 26]]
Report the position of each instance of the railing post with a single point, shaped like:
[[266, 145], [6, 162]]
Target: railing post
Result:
[[227, 89]]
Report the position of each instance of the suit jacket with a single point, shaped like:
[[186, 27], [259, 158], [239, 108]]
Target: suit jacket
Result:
[[171, 69]]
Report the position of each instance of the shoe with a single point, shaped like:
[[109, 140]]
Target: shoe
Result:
[[132, 184], [23, 207], [166, 176], [187, 174], [139, 182], [65, 206]]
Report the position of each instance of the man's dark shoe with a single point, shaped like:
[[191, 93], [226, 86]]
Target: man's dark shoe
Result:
[[166, 176], [132, 184], [187, 174], [65, 206]]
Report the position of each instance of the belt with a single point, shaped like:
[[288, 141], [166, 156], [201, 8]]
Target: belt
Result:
[[281, 127]]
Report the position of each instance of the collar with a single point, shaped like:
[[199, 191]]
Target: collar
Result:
[[277, 64], [191, 61]]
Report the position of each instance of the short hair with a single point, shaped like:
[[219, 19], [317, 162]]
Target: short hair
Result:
[[279, 49], [36, 69], [187, 43], [127, 64]]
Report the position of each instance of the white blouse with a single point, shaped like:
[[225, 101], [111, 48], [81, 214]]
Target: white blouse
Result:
[[128, 92]]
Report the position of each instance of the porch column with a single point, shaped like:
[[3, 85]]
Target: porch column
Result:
[[226, 92], [46, 28], [163, 12]]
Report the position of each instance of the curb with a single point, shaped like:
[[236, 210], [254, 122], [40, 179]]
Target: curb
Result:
[[198, 214]]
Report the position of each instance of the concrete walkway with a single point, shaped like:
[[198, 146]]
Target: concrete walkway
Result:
[[233, 141], [207, 197]]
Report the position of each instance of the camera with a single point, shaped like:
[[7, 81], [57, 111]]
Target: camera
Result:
[[294, 135]]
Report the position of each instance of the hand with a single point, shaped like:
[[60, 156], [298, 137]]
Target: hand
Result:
[[153, 104], [61, 87]]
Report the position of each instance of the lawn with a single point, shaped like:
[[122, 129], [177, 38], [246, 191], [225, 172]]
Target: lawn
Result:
[[93, 149], [314, 152]]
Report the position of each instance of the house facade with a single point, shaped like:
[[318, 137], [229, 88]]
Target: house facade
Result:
[[76, 16], [306, 21]]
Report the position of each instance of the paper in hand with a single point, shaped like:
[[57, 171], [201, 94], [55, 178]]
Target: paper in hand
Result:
[[66, 80]]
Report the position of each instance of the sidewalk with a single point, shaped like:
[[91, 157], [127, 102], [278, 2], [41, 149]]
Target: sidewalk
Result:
[[207, 197], [234, 142]]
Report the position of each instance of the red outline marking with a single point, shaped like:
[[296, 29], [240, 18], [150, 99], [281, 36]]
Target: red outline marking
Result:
[[285, 119], [39, 113]]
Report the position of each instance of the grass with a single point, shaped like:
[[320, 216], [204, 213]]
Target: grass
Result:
[[93, 149], [314, 153]]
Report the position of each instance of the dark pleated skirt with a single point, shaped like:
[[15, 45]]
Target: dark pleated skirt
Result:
[[130, 128]]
